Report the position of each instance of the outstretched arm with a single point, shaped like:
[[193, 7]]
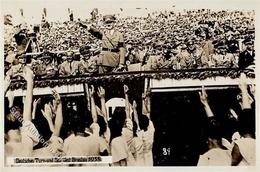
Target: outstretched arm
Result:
[[135, 114], [101, 93], [35, 103], [59, 115], [204, 100], [7, 82], [47, 113], [146, 103], [27, 142], [127, 104], [93, 105], [95, 32], [27, 109], [245, 96]]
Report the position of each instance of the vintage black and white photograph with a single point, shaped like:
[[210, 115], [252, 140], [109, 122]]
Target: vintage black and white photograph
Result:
[[129, 83]]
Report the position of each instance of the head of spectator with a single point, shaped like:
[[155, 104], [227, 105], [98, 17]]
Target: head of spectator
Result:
[[13, 123], [215, 135], [143, 122], [246, 123], [77, 123], [183, 47], [117, 123], [102, 124], [70, 56], [47, 59], [249, 44], [222, 49], [85, 52], [191, 45]]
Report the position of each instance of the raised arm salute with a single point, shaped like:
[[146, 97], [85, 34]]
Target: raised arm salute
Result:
[[216, 154], [112, 56]]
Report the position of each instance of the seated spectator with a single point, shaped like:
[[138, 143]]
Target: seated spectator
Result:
[[87, 63], [68, 66], [247, 57]]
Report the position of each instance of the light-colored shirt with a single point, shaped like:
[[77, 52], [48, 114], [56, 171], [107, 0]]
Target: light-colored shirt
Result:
[[215, 157], [119, 149], [148, 139], [247, 149], [81, 146]]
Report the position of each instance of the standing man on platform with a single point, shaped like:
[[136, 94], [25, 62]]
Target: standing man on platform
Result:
[[112, 57]]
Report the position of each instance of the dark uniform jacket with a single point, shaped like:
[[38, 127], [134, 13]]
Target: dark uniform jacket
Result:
[[246, 59]]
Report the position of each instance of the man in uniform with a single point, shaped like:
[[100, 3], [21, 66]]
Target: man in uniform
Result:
[[112, 56], [88, 62], [247, 57]]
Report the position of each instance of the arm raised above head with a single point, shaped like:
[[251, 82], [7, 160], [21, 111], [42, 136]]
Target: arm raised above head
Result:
[[93, 104], [204, 100], [101, 93]]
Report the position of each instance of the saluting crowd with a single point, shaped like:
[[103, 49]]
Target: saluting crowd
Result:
[[195, 39], [127, 135]]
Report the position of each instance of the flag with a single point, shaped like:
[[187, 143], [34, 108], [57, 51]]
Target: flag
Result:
[[94, 14], [71, 16], [45, 12], [21, 11]]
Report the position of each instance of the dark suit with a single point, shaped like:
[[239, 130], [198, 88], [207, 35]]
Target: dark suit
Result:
[[246, 59]]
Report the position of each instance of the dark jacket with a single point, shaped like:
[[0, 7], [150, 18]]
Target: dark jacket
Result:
[[246, 59]]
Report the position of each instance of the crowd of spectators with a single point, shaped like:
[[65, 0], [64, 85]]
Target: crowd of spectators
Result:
[[192, 39], [127, 135]]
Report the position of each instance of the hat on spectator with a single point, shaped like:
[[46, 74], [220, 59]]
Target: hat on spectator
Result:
[[183, 46], [222, 47], [248, 41], [64, 58], [175, 51], [85, 49], [109, 18], [70, 53]]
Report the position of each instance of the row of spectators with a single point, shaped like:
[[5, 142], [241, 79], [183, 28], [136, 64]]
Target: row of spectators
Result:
[[190, 40]]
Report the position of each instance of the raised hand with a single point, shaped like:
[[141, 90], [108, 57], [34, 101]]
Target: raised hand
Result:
[[126, 89], [28, 74], [143, 96], [252, 89], [91, 90], [10, 97], [47, 113], [56, 96], [233, 113], [134, 104], [242, 82], [36, 102], [203, 96], [101, 92]]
